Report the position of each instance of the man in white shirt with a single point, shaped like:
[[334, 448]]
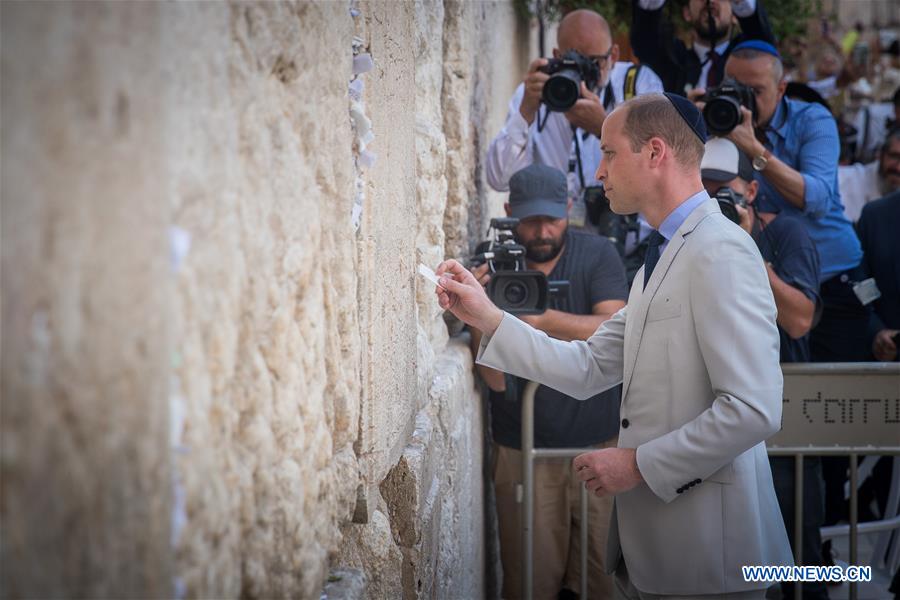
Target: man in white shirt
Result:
[[859, 184], [534, 135]]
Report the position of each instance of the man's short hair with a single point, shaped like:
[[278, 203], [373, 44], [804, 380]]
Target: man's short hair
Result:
[[753, 54], [653, 115], [893, 135]]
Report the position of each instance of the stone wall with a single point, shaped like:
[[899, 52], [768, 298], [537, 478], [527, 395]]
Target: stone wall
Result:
[[213, 384]]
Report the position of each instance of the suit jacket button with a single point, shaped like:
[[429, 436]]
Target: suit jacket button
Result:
[[625, 423]]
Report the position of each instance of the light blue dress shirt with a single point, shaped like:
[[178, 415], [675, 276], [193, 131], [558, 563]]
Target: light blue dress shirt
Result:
[[804, 136]]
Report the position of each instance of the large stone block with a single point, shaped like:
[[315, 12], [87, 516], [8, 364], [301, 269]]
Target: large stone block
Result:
[[86, 288]]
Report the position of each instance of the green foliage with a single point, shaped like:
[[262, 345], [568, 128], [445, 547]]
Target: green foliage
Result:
[[788, 17]]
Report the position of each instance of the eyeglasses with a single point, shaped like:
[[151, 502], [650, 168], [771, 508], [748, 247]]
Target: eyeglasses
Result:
[[601, 59]]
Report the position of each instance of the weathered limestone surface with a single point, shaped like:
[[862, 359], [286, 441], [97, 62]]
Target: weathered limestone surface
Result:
[[85, 297], [283, 401]]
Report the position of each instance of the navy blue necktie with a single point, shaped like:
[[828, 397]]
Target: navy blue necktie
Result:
[[654, 241], [716, 66]]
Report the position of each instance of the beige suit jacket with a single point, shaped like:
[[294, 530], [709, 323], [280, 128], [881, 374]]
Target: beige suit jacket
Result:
[[697, 352]]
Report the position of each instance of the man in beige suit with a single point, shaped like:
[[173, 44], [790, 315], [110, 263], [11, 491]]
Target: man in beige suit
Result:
[[696, 349]]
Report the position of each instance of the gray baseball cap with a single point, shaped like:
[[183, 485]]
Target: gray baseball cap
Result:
[[722, 161], [538, 191]]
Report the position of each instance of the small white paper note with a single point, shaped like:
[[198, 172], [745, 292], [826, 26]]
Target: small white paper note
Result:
[[429, 275], [179, 246], [362, 63], [367, 159]]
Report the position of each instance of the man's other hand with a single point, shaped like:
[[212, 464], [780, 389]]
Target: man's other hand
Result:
[[587, 112], [696, 96], [462, 294], [483, 274], [883, 346], [608, 471], [534, 87]]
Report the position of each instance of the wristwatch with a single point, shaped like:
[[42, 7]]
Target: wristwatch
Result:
[[761, 161]]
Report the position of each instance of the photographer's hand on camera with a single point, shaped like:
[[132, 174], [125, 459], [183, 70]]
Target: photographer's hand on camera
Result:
[[482, 274], [746, 222], [534, 87], [462, 294], [744, 136], [883, 346], [588, 112], [696, 96]]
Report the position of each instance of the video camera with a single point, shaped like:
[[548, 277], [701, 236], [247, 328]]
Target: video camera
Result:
[[728, 200], [563, 88], [722, 112], [513, 287], [610, 225]]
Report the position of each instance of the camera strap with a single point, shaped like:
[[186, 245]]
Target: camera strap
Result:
[[609, 99], [542, 124], [578, 163]]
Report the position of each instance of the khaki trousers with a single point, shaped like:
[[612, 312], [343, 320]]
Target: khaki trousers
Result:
[[557, 516]]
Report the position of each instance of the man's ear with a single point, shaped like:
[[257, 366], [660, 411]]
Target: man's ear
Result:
[[613, 56], [782, 87], [506, 208], [657, 149], [686, 13], [752, 189]]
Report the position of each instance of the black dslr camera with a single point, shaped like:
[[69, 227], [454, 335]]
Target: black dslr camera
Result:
[[722, 112], [513, 287], [563, 88], [610, 225], [728, 200]]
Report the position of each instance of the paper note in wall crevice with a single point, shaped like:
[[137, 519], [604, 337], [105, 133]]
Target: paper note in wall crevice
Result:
[[428, 274]]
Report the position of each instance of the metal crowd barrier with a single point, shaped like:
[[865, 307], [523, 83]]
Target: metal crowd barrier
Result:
[[840, 409], [830, 409], [529, 455]]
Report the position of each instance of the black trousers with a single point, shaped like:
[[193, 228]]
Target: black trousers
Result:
[[842, 333]]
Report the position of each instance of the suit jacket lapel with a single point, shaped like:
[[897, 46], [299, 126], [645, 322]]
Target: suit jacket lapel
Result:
[[638, 318]]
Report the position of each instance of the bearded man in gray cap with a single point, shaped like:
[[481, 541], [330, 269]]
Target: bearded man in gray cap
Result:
[[597, 289], [696, 350]]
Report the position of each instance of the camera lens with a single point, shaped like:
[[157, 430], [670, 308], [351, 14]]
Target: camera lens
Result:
[[561, 91], [730, 211], [722, 115], [515, 293]]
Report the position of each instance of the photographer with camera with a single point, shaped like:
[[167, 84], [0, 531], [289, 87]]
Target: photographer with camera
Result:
[[558, 123], [792, 266], [794, 149], [597, 289], [703, 64]]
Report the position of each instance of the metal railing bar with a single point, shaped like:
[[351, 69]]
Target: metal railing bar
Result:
[[834, 450], [559, 452], [833, 531]]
